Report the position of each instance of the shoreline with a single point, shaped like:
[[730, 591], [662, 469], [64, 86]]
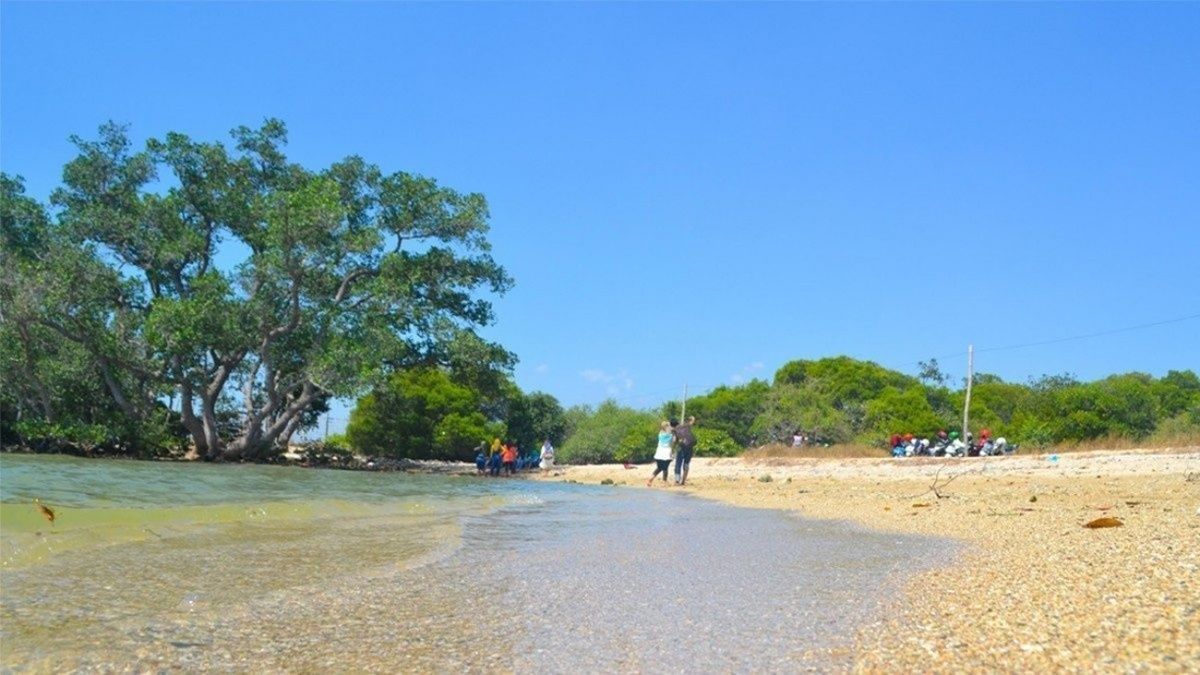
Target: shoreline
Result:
[[1033, 588]]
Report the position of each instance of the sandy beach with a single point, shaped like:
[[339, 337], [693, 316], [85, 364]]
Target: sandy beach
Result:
[[1034, 588]]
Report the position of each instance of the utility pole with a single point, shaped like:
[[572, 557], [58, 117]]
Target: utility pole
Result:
[[326, 427], [970, 376], [683, 407]]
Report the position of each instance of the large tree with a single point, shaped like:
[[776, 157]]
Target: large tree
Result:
[[236, 279]]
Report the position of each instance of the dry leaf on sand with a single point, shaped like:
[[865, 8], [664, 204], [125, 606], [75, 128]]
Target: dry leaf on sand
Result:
[[1104, 522]]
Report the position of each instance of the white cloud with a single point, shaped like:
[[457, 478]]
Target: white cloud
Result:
[[746, 372], [614, 383], [541, 369], [596, 375]]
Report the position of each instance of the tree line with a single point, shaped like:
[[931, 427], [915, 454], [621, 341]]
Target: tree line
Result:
[[831, 400], [845, 400]]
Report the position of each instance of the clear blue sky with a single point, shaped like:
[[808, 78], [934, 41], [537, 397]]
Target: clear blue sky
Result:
[[700, 193]]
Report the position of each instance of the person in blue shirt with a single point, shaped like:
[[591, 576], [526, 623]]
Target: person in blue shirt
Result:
[[480, 460]]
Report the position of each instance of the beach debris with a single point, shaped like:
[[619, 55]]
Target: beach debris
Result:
[[47, 512], [921, 505], [1033, 499], [1132, 503], [765, 478], [1106, 521], [606, 481]]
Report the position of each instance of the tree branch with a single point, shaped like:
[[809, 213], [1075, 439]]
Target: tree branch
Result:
[[349, 279]]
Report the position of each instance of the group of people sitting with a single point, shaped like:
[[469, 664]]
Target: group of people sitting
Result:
[[506, 456], [950, 445]]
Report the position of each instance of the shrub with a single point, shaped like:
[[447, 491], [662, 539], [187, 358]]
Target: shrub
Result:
[[715, 443], [612, 430]]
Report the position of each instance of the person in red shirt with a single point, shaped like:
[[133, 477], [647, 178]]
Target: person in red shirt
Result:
[[509, 456]]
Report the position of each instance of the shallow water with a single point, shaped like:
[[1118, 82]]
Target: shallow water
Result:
[[250, 568]]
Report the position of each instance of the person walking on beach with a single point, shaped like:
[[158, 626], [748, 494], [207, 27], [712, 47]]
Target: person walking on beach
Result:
[[685, 442], [547, 458], [662, 453]]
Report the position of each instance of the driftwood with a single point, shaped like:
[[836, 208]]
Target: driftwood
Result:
[[939, 484]]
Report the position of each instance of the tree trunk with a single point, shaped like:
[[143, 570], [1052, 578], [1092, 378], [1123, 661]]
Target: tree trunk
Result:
[[190, 422], [212, 439], [115, 389], [255, 437]]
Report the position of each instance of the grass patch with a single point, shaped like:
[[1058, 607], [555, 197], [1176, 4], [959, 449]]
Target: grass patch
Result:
[[1156, 442]]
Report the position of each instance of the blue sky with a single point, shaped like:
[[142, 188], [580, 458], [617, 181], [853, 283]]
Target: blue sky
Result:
[[699, 193]]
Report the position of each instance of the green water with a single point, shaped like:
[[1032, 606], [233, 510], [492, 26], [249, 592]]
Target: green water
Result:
[[152, 566], [136, 540], [106, 503]]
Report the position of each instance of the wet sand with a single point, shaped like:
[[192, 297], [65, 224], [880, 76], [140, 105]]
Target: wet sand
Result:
[[1033, 589]]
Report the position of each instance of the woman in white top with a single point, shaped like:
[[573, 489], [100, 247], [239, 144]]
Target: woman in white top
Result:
[[547, 455], [662, 454]]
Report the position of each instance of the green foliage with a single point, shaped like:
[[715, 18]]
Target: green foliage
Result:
[[842, 379], [1184, 427], [994, 405], [638, 444], [337, 441], [715, 443], [729, 409], [931, 373], [610, 431], [87, 436], [326, 453], [456, 435], [419, 414], [530, 419], [547, 418], [790, 408], [1176, 392], [896, 411], [349, 274]]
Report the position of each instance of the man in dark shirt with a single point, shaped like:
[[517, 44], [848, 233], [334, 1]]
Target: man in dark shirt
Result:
[[685, 444]]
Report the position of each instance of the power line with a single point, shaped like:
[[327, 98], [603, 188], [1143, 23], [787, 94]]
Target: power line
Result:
[[963, 353], [1092, 335]]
